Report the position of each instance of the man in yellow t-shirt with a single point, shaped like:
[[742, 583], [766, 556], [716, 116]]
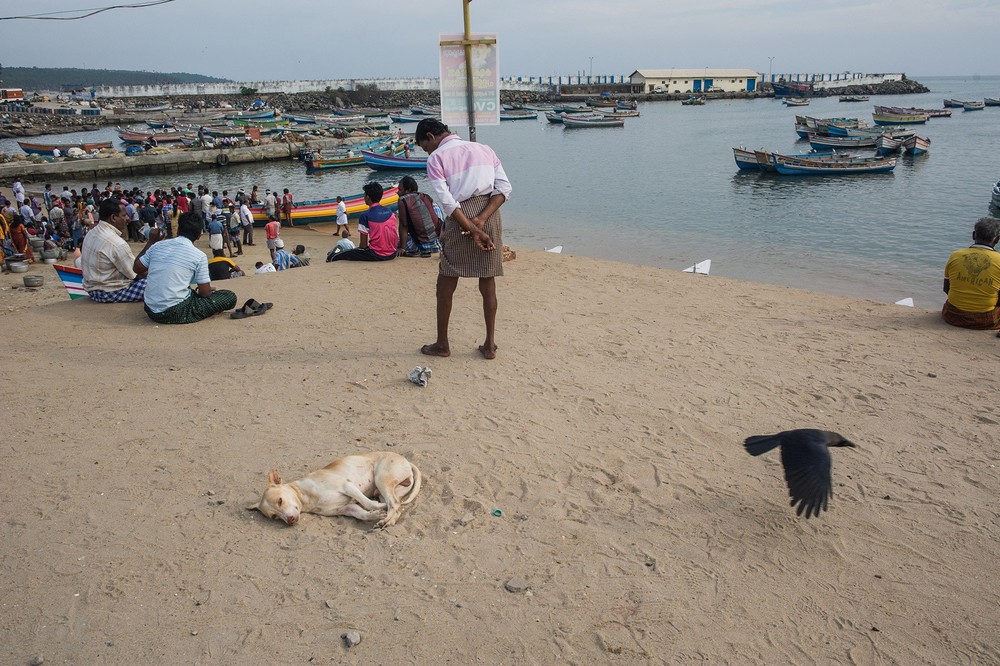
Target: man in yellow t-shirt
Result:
[[972, 280]]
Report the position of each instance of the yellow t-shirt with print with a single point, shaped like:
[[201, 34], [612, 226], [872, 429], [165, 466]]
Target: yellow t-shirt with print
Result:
[[974, 278]]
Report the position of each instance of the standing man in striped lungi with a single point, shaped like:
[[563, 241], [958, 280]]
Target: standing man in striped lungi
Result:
[[471, 184]]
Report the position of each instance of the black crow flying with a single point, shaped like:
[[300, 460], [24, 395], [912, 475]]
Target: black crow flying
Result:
[[806, 460]]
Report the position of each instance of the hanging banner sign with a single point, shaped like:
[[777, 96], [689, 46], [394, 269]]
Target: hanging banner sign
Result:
[[485, 81]]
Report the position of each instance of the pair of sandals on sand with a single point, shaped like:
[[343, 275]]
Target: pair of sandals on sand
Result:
[[251, 309]]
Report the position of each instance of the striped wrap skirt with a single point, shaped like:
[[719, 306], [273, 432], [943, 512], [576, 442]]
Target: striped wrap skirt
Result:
[[989, 320], [460, 256]]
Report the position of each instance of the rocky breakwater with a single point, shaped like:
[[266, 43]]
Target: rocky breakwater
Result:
[[904, 87], [19, 125]]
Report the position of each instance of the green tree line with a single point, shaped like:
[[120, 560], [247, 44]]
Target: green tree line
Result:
[[54, 78]]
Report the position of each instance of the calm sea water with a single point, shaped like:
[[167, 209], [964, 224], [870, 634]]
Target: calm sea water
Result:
[[664, 191]]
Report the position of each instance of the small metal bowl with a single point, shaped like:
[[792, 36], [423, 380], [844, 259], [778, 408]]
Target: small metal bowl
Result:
[[33, 280], [18, 267]]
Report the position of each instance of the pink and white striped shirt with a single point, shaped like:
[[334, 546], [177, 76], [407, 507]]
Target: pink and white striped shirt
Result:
[[459, 170]]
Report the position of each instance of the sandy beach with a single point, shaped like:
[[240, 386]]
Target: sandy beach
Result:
[[595, 468]]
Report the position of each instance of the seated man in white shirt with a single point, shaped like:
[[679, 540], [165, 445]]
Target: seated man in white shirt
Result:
[[109, 274], [174, 265]]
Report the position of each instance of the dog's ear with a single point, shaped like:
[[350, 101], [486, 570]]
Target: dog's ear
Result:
[[273, 478], [252, 506]]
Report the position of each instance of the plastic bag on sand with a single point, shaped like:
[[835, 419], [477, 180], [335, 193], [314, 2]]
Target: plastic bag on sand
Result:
[[420, 376]]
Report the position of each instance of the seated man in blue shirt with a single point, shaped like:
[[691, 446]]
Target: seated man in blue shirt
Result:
[[283, 259], [171, 271]]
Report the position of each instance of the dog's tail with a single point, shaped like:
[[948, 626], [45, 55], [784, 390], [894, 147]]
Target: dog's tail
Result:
[[412, 495]]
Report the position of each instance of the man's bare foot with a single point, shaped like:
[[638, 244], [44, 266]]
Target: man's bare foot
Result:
[[488, 354], [435, 350]]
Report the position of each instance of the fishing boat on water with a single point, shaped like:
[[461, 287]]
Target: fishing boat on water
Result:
[[796, 101], [762, 160], [385, 162], [325, 210], [953, 104], [47, 148], [886, 144], [693, 101], [899, 118], [974, 106], [991, 101], [407, 117], [916, 145], [351, 155], [618, 113], [904, 111], [519, 114], [995, 200], [789, 165], [593, 121], [128, 136], [840, 142], [853, 98]]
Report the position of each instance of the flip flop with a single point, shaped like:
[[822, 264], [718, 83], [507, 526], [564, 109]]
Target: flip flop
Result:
[[245, 311], [262, 308]]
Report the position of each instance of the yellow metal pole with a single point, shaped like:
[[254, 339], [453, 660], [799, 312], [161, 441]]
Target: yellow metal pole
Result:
[[468, 72]]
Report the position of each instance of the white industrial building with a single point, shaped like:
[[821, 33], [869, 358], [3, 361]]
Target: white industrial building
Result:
[[693, 80]]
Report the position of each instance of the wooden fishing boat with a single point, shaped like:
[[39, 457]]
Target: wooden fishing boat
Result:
[[991, 101], [425, 110], [603, 103], [618, 113], [128, 136], [539, 107], [853, 98], [796, 101], [594, 121], [762, 160], [899, 118], [384, 162], [367, 111], [351, 156], [788, 165], [886, 144], [47, 148], [953, 103], [693, 101], [406, 117], [626, 105], [916, 145], [519, 114], [974, 106], [325, 210], [274, 122], [252, 115], [553, 117], [572, 109], [839, 142], [898, 110]]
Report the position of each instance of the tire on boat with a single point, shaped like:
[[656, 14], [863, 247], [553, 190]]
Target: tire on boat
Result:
[[222, 159]]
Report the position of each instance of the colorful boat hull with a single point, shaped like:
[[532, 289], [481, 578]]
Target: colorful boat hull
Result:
[[72, 279], [325, 210], [47, 148], [384, 162]]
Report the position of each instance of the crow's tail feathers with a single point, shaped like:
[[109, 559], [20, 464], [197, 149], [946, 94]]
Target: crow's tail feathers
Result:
[[761, 444]]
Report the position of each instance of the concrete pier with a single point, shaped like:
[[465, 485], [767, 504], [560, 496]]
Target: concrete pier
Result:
[[172, 162]]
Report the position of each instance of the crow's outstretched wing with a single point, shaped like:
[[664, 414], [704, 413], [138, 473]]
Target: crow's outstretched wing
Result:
[[806, 460]]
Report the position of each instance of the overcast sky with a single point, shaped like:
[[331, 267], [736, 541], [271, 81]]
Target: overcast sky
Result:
[[315, 39]]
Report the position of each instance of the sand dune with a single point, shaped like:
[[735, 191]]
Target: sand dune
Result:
[[607, 433]]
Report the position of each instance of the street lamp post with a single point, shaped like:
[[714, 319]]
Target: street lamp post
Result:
[[591, 67], [770, 64]]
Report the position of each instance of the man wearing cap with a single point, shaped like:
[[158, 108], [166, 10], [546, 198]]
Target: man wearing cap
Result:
[[283, 259]]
